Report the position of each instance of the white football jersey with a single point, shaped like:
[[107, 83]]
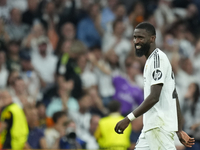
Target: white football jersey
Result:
[[163, 114]]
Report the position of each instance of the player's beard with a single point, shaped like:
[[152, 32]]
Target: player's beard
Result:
[[143, 50]]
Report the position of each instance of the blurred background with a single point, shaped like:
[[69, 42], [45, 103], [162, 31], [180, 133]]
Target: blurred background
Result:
[[70, 69]]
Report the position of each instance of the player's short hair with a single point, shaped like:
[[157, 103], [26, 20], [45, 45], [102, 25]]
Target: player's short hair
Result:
[[58, 115], [148, 27]]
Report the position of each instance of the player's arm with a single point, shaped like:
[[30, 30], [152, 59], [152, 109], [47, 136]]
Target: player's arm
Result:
[[150, 101], [147, 104], [179, 116], [183, 137]]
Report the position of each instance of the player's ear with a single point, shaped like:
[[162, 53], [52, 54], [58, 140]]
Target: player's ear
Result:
[[153, 38]]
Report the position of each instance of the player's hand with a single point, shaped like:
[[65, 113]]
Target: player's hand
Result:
[[185, 139], [122, 125]]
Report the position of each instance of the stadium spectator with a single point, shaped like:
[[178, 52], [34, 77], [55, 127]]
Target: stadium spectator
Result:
[[4, 11], [62, 99], [67, 12], [117, 43], [36, 139], [82, 116], [67, 66], [67, 33], [42, 118], [103, 68], [137, 14], [16, 29], [44, 63], [50, 15], [13, 75], [29, 75], [20, 94], [31, 14], [97, 106], [70, 140], [180, 30], [91, 142], [185, 73], [13, 59], [170, 45], [50, 19], [19, 4], [127, 91], [14, 127], [105, 138], [89, 30], [108, 13], [193, 18], [54, 134], [30, 41], [191, 114], [120, 12], [82, 9], [164, 9], [196, 60], [3, 70], [87, 75], [159, 31], [4, 37]]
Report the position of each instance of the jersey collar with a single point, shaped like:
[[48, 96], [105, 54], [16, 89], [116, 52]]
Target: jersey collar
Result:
[[154, 51]]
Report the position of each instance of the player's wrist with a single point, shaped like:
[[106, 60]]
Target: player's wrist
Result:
[[179, 131], [131, 116]]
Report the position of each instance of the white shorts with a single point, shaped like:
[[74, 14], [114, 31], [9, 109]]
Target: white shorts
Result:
[[156, 139]]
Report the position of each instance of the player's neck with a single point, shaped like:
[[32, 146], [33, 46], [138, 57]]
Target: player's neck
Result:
[[152, 48]]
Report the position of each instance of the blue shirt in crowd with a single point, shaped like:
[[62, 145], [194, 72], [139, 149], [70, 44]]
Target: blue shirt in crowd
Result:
[[87, 33], [34, 137]]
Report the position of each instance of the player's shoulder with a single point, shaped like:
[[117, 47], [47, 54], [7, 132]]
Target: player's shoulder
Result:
[[158, 56], [161, 54], [157, 53]]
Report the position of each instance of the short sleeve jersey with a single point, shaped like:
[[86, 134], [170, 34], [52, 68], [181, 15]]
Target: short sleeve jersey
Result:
[[163, 114]]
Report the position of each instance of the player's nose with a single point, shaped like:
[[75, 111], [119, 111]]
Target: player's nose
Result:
[[136, 41]]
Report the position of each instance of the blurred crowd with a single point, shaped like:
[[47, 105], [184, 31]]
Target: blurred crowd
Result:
[[68, 69]]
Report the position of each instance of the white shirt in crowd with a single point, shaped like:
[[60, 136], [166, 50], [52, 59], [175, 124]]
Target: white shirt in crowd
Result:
[[20, 4], [196, 61], [5, 12], [105, 84], [88, 77], [3, 77], [163, 114], [121, 49], [91, 142], [183, 86], [45, 66], [128, 33], [51, 135], [82, 123]]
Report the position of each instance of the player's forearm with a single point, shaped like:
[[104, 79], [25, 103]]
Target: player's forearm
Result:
[[179, 116], [147, 104], [150, 101]]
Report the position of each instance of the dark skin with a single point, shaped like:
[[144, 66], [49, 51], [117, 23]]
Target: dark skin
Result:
[[141, 37]]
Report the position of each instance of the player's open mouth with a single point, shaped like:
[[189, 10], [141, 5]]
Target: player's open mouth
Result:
[[138, 47]]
